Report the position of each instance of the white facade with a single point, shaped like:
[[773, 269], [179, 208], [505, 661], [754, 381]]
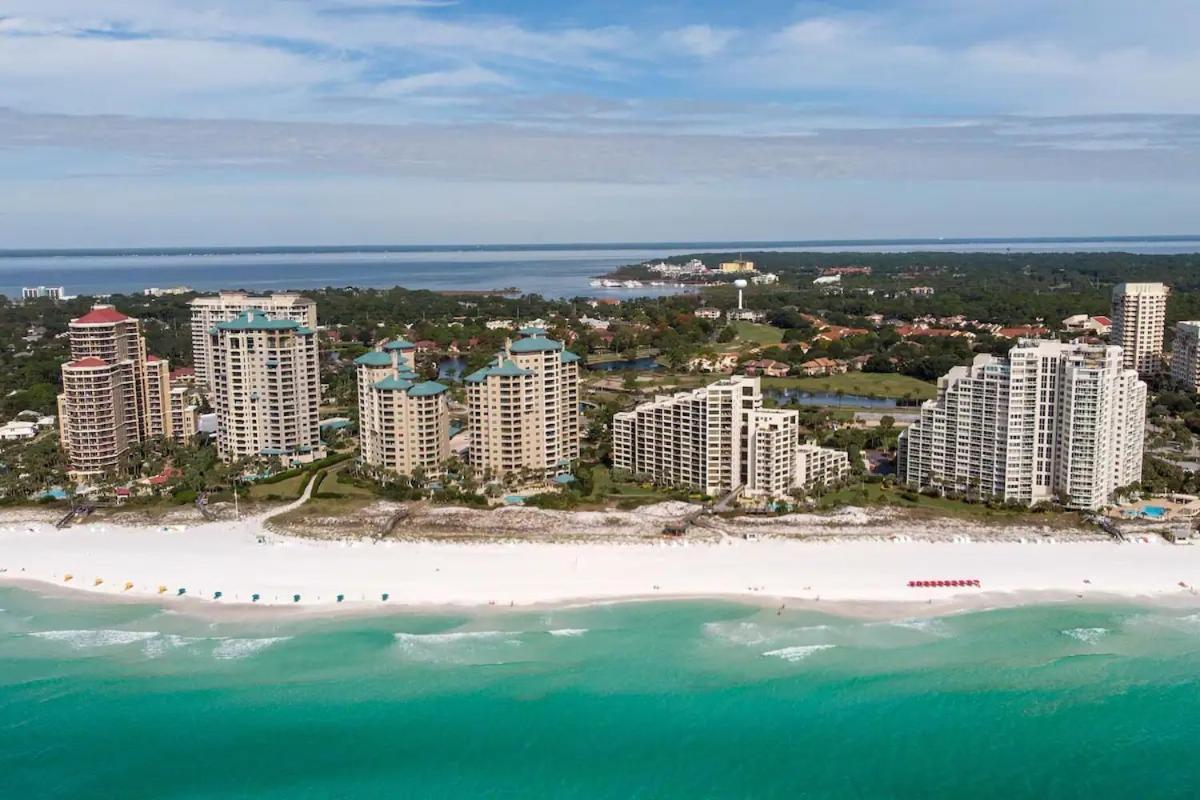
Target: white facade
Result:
[[38, 292], [208, 311], [1052, 420], [715, 439], [267, 388], [820, 466], [1185, 355], [1139, 316]]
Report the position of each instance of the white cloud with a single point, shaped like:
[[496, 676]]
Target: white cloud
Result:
[[464, 77], [699, 40]]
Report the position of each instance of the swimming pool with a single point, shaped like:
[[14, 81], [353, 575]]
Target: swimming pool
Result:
[[1154, 512]]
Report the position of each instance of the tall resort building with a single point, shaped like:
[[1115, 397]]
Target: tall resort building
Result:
[[1139, 316], [1050, 421], [103, 409], [524, 409], [172, 405], [403, 422], [209, 310], [717, 438], [266, 384], [1185, 355]]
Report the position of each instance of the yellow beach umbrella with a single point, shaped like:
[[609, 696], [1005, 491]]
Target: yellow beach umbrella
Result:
[[128, 585], [162, 589], [98, 581], [67, 577]]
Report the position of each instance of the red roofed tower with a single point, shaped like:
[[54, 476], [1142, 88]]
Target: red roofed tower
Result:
[[103, 409]]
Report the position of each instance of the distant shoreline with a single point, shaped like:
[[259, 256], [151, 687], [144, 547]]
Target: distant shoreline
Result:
[[27, 252]]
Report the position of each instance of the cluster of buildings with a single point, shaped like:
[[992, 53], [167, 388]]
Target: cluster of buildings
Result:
[[719, 438], [1138, 325], [115, 396], [1049, 421], [1052, 420], [255, 359]]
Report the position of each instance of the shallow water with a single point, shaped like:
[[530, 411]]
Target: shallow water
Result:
[[661, 700]]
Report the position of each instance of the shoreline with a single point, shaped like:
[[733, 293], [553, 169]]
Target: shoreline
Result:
[[863, 576]]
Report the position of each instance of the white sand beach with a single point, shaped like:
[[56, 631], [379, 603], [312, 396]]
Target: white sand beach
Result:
[[242, 559]]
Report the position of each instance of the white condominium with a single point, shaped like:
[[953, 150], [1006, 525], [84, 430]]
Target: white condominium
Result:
[[717, 438], [820, 466], [694, 438], [208, 311], [1185, 355], [1139, 314], [1050, 421], [524, 409], [404, 423], [103, 407], [266, 384]]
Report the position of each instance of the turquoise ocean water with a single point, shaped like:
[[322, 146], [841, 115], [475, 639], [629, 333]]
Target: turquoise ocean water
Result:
[[657, 700]]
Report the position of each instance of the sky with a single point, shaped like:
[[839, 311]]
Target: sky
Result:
[[129, 123]]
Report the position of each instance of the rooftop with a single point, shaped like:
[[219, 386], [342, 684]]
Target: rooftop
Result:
[[101, 315], [90, 361], [374, 358], [255, 320], [426, 389], [393, 383], [503, 368], [534, 344]]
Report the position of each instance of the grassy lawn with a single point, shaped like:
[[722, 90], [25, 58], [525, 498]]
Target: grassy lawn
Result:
[[758, 333], [940, 507], [864, 384], [333, 483], [605, 488], [290, 487]]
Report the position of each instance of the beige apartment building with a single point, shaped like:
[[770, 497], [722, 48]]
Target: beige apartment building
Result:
[[1050, 421], [104, 406], [209, 310], [1185, 355], [403, 422], [1139, 317], [717, 438], [524, 409], [173, 405], [266, 386]]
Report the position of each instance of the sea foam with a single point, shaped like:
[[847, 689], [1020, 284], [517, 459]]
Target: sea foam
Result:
[[1086, 635], [84, 639], [232, 649], [568, 632], [797, 652]]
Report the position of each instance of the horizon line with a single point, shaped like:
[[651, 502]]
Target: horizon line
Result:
[[613, 245]]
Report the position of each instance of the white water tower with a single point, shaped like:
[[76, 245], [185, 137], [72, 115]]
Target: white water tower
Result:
[[740, 283]]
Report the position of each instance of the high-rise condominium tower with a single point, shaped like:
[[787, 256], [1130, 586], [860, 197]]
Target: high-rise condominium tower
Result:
[[267, 386], [1050, 421], [524, 409], [208, 311], [103, 409], [719, 437], [403, 422], [1185, 355], [1139, 315]]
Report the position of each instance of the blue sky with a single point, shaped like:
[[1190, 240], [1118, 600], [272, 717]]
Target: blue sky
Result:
[[158, 122]]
